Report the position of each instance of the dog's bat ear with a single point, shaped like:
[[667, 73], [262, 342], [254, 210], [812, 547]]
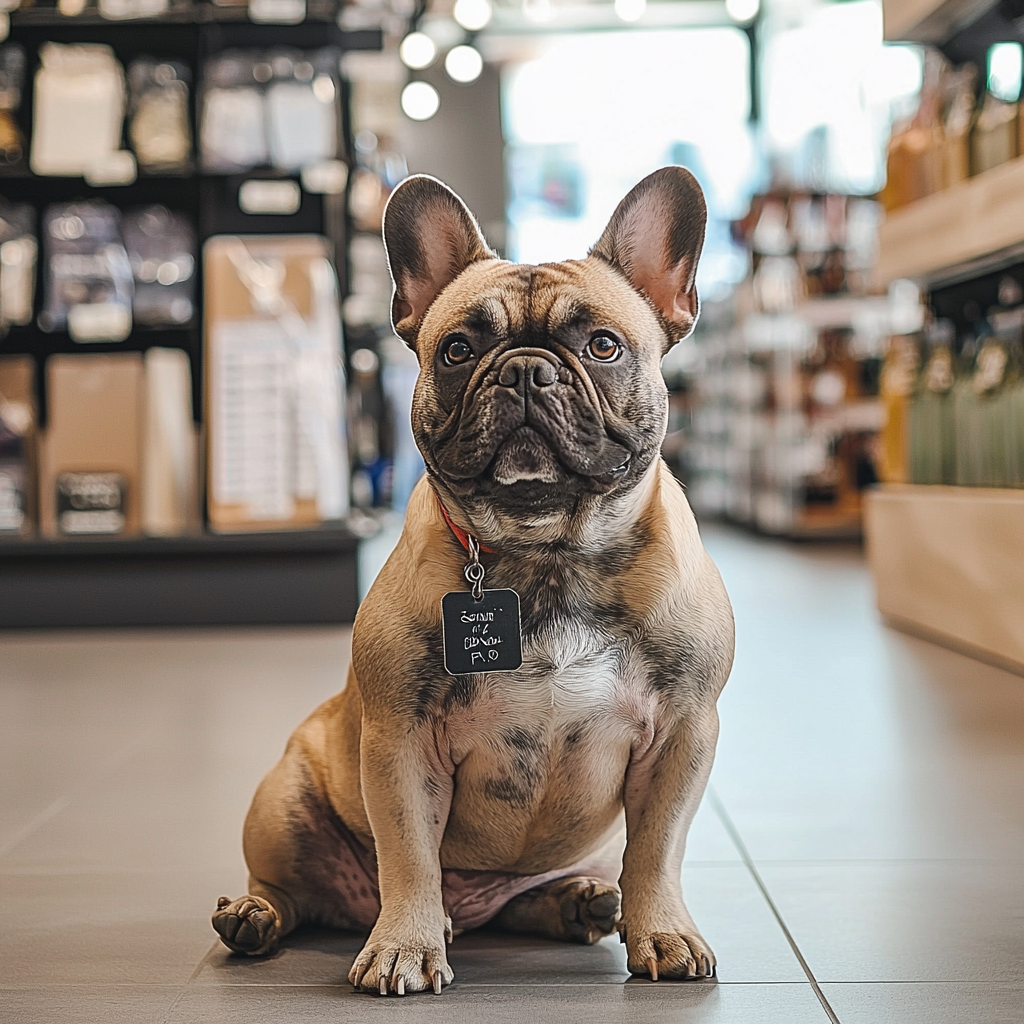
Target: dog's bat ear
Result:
[[655, 237], [430, 237]]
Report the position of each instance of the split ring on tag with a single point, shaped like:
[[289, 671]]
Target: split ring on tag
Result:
[[482, 630]]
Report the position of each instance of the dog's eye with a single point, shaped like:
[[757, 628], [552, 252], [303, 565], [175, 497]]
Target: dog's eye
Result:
[[456, 350], [604, 348]]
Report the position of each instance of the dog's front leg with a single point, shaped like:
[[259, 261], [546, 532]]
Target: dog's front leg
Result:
[[407, 792], [663, 789]]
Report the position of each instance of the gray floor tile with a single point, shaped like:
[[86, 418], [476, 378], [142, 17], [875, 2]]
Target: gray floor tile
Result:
[[102, 929], [87, 1004], [639, 1003], [877, 780], [949, 1003], [722, 897], [905, 921]]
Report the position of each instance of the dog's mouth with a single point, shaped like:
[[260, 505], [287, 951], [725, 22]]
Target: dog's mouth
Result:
[[526, 457]]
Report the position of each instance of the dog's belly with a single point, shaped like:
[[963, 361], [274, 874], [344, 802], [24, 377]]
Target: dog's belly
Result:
[[541, 756]]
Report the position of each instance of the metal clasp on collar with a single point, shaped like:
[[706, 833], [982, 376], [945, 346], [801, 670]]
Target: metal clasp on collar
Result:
[[474, 571]]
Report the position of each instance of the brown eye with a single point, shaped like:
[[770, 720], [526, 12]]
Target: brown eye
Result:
[[456, 350], [603, 348]]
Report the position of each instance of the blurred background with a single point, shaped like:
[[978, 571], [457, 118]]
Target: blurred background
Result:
[[204, 422], [204, 415]]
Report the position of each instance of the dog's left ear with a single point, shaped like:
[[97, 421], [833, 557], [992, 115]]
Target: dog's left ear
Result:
[[655, 237], [430, 237]]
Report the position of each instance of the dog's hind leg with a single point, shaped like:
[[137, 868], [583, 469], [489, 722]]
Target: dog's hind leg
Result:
[[300, 867], [575, 909]]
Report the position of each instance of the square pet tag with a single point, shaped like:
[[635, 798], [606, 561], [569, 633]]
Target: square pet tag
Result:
[[484, 635]]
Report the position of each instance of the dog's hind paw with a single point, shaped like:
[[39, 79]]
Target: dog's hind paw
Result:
[[589, 908], [247, 925], [575, 909], [669, 955]]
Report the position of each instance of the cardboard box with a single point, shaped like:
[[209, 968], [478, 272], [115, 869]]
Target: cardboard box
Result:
[[274, 404], [90, 453], [18, 419]]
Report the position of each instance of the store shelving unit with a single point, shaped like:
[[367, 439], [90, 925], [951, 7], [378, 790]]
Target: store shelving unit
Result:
[[205, 579], [946, 560], [961, 231]]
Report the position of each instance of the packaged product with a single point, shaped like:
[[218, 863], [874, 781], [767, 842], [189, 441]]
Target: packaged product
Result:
[[232, 132], [17, 444], [18, 251], [898, 379], [161, 249], [170, 454], [302, 109], [88, 283], [274, 395], [158, 125], [960, 104], [994, 138], [279, 108], [78, 110], [90, 451], [931, 428], [12, 81], [916, 157]]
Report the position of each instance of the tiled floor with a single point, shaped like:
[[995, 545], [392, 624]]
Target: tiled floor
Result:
[[861, 857]]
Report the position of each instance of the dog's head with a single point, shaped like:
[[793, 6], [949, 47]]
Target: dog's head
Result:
[[542, 384]]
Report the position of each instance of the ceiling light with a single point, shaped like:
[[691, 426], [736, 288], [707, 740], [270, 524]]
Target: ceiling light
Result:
[[630, 10], [742, 11], [538, 11], [420, 101], [417, 50], [472, 15], [464, 64]]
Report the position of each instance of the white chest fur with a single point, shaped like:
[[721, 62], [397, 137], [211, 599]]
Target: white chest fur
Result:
[[573, 680]]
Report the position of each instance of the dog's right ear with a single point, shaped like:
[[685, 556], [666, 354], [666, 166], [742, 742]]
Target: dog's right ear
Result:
[[430, 237]]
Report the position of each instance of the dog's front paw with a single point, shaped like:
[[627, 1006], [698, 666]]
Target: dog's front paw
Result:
[[669, 954], [387, 966], [247, 925]]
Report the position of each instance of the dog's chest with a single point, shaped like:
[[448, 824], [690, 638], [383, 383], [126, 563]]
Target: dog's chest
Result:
[[579, 692]]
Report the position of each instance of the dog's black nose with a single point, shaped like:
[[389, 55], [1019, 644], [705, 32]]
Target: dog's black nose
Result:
[[526, 368]]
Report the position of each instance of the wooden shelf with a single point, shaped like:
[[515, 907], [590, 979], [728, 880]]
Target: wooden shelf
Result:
[[947, 566], [930, 21], [970, 222]]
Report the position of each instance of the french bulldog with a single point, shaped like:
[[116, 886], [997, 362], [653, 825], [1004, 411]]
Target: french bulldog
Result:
[[554, 798]]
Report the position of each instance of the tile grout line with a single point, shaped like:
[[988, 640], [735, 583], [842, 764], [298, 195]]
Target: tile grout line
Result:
[[62, 802], [169, 1012], [734, 835]]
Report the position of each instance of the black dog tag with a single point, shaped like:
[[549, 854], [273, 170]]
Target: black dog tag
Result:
[[484, 635]]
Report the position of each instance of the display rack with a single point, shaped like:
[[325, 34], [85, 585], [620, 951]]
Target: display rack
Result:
[[946, 559], [946, 566], [206, 579], [962, 231]]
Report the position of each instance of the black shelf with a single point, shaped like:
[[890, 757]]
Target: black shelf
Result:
[[301, 576], [298, 577]]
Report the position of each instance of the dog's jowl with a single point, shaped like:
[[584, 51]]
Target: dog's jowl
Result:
[[553, 797]]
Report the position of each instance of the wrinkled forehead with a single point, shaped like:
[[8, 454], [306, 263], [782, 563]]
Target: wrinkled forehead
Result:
[[511, 299]]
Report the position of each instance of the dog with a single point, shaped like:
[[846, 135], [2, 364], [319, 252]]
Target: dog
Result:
[[553, 798]]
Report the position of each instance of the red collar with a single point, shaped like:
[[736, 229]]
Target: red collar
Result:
[[460, 534]]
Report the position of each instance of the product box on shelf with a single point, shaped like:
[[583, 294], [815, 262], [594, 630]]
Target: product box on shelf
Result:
[[17, 445], [274, 396], [90, 452]]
